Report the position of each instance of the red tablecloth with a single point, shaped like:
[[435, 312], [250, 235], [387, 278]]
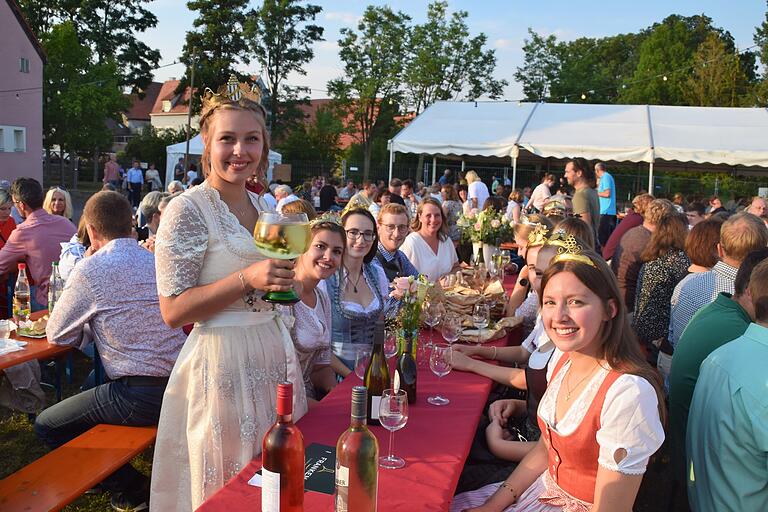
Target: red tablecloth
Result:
[[434, 444]]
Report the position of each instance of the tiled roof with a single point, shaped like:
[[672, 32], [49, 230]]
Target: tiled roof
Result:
[[179, 103], [141, 107]]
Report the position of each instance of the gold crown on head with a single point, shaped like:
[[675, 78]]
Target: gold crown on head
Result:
[[326, 218], [568, 248], [232, 92], [538, 236]]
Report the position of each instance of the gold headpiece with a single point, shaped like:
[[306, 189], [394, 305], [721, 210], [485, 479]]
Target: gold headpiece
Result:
[[568, 248], [538, 236], [232, 92], [327, 217]]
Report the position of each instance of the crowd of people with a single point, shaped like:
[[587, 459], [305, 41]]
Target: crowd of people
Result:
[[663, 310]]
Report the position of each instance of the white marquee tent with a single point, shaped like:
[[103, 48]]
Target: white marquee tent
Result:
[[176, 151], [634, 133]]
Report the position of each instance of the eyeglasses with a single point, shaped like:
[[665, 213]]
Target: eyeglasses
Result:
[[391, 228], [354, 234]]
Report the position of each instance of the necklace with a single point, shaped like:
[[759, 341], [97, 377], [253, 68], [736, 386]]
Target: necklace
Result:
[[568, 388], [357, 281]]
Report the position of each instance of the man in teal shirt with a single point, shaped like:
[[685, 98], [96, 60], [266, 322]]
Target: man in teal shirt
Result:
[[727, 439], [606, 193], [712, 326]]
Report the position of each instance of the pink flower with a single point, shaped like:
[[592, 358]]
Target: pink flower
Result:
[[478, 226], [495, 223], [400, 286]]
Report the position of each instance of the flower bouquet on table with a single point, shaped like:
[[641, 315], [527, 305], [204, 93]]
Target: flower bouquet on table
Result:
[[488, 226], [412, 292]]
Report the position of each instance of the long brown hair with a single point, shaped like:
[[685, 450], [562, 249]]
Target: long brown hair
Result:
[[618, 345], [209, 116], [669, 235]]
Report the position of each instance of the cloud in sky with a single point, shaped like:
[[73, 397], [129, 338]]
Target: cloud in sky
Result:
[[503, 44], [348, 18]]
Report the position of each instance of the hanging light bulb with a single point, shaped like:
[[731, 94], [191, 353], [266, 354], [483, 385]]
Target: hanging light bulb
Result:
[[583, 96], [664, 78]]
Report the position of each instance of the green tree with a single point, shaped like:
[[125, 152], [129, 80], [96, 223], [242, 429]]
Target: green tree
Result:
[[445, 63], [110, 28], [373, 60], [218, 43], [666, 58], [541, 66], [717, 79], [761, 40], [317, 141], [78, 93], [281, 38]]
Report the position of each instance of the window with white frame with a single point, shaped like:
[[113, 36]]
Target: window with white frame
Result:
[[19, 140], [23, 65]]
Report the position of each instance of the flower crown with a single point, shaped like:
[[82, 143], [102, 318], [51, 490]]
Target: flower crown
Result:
[[538, 236], [326, 218], [568, 248], [232, 92]]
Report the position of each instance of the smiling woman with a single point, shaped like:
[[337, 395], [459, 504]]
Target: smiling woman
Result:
[[222, 391], [602, 413], [428, 246]]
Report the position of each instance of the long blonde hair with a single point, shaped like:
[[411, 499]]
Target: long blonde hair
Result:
[[209, 115], [67, 201]]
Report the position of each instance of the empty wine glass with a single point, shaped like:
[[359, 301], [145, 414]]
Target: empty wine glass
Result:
[[431, 314], [362, 357], [480, 318], [451, 327], [393, 415], [440, 362], [5, 329], [390, 343]]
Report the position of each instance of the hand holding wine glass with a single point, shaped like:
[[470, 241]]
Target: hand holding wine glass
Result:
[[282, 237], [393, 415]]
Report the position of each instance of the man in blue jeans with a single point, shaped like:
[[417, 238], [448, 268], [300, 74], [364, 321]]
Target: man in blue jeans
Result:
[[113, 292]]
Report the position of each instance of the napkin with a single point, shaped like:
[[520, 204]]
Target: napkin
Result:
[[7, 346]]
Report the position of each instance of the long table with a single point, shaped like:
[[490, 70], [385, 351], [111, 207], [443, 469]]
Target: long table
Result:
[[35, 348], [434, 443]]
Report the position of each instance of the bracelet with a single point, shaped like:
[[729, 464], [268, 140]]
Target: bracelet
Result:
[[242, 282], [508, 487], [493, 357]]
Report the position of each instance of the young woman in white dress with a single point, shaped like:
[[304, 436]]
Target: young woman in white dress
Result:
[[602, 413], [428, 246], [221, 395]]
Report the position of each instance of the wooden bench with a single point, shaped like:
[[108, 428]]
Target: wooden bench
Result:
[[61, 476]]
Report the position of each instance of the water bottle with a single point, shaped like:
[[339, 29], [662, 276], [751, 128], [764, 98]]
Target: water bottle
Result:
[[55, 286], [21, 303]]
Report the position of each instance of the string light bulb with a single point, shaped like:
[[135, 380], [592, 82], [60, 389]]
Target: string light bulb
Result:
[[583, 96], [664, 78]]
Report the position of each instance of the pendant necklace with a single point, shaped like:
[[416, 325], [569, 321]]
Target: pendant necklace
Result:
[[357, 281], [569, 389]]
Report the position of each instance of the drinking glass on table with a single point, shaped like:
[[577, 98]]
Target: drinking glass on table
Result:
[[480, 318], [431, 313], [393, 415], [390, 343], [451, 327], [440, 362], [5, 329], [362, 357]]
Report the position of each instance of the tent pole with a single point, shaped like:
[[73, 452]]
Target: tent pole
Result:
[[650, 178], [514, 172], [391, 159], [434, 169]]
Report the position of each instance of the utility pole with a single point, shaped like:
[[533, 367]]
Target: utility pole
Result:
[[189, 112]]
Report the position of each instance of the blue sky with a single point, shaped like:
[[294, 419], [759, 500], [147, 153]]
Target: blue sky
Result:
[[505, 22]]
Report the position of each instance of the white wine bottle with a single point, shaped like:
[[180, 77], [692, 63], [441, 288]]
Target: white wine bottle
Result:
[[357, 467]]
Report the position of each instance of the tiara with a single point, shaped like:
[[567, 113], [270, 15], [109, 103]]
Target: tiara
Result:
[[232, 92], [568, 248], [538, 236], [326, 218]]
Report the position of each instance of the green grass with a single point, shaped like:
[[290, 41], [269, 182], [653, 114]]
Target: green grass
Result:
[[19, 445]]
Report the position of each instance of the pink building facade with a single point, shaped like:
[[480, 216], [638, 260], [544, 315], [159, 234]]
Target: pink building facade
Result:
[[21, 96]]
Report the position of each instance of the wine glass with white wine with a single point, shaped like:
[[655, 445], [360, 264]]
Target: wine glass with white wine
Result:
[[282, 237]]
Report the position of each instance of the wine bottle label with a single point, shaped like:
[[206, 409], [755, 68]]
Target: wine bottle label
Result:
[[270, 491], [375, 401], [342, 488]]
